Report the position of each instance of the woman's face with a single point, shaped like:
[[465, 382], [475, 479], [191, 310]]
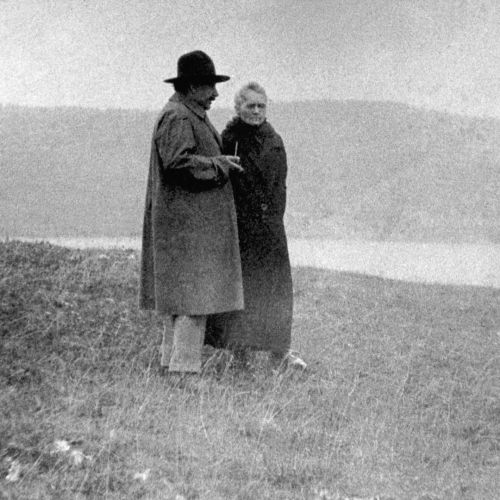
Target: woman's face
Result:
[[253, 108]]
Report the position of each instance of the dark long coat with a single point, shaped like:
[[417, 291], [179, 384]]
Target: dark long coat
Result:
[[260, 196], [190, 263]]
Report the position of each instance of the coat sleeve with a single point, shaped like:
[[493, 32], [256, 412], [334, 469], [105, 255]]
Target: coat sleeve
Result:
[[278, 169], [228, 143], [176, 147]]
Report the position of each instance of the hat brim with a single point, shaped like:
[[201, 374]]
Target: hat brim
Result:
[[207, 79]]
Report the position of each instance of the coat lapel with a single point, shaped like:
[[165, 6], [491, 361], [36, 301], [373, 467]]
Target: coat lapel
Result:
[[200, 113], [214, 131]]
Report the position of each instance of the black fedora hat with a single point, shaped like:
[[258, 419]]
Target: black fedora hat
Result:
[[196, 67]]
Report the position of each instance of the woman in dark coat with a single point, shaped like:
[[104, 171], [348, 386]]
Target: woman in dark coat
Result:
[[260, 198]]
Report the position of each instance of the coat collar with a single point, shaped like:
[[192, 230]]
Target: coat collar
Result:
[[238, 127], [200, 113], [197, 110]]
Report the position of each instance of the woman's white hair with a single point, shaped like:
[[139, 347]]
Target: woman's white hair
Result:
[[240, 96]]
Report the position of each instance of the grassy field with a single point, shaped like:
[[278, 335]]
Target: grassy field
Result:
[[401, 400]]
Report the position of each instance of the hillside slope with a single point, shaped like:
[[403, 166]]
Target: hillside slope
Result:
[[357, 170], [388, 171]]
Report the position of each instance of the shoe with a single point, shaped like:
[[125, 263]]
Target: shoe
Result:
[[240, 360], [293, 361], [281, 362]]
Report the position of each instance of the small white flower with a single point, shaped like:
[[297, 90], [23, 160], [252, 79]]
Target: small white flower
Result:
[[14, 472], [61, 446], [142, 476], [324, 494], [77, 457]]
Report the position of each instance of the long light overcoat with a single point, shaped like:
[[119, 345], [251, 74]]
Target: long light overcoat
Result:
[[190, 263]]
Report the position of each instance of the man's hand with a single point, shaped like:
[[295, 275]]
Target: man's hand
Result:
[[231, 162]]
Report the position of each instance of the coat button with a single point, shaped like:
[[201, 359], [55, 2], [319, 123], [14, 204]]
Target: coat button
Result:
[[263, 206]]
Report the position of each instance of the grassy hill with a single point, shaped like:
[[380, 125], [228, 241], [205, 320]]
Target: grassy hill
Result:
[[357, 170], [400, 401]]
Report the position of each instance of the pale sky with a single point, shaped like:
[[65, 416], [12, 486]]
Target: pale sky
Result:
[[442, 54]]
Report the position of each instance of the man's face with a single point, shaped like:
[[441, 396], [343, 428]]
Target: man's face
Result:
[[203, 94], [253, 109]]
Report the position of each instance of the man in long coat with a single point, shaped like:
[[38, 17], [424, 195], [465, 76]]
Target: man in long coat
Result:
[[190, 266]]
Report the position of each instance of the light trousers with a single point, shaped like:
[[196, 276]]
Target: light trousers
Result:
[[182, 343]]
